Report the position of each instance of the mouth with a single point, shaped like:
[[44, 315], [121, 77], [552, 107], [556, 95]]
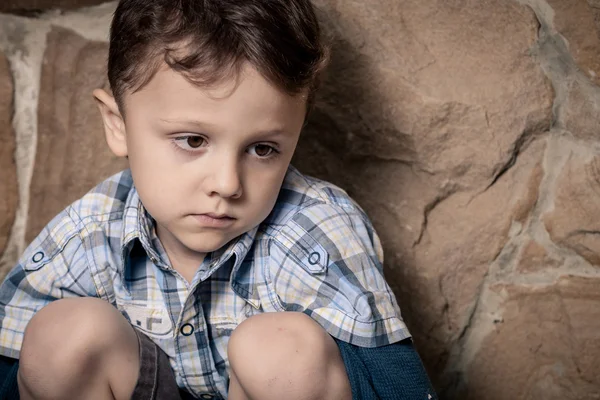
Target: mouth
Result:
[[217, 216], [214, 220]]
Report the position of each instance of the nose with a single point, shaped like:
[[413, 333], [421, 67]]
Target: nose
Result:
[[226, 181]]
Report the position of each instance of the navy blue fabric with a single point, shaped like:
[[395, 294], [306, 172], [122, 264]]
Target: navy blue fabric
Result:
[[8, 378], [392, 372]]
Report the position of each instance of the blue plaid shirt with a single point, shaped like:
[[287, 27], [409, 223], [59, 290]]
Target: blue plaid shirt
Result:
[[316, 253]]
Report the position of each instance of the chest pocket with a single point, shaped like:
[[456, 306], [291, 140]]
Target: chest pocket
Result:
[[154, 322]]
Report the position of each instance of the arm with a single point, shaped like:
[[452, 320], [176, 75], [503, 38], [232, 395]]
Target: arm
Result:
[[392, 372], [54, 266], [328, 264]]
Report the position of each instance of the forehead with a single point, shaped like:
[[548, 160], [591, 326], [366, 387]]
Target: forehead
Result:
[[246, 95]]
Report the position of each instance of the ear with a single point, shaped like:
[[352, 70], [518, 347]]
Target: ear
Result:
[[114, 125]]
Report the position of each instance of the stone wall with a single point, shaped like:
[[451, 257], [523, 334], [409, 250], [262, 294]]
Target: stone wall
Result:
[[468, 129]]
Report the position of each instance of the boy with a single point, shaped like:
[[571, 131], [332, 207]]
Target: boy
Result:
[[211, 268]]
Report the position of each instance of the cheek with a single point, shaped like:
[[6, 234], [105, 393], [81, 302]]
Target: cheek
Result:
[[264, 189], [153, 175]]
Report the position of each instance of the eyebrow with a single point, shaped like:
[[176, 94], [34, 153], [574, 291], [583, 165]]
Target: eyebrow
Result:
[[189, 122], [208, 127]]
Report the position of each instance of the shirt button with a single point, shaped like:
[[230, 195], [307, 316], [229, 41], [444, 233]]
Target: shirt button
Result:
[[314, 258], [187, 330], [206, 396], [37, 257]]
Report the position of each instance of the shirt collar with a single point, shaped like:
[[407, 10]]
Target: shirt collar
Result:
[[243, 280], [138, 226]]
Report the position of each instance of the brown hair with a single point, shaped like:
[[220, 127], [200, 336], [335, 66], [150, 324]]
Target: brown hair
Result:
[[208, 40]]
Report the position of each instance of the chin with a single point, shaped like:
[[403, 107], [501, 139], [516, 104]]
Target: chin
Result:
[[203, 244]]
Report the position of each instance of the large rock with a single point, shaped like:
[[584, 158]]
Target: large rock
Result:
[[464, 234], [72, 155], [575, 20], [574, 223], [581, 111], [8, 174], [535, 257], [27, 6], [426, 104], [415, 82], [545, 346]]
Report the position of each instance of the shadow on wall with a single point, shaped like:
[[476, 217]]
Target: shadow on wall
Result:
[[351, 141]]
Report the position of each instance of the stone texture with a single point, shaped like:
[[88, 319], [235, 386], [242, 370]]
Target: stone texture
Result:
[[72, 155], [8, 175], [595, 5], [573, 223], [27, 6], [546, 346], [414, 82], [535, 258], [581, 110], [464, 235], [435, 117], [425, 105], [575, 20]]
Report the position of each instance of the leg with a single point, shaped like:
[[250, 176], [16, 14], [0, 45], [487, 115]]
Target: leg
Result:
[[288, 356], [81, 346]]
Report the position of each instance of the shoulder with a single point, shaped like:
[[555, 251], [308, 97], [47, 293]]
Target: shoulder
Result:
[[325, 259], [318, 200], [105, 201], [321, 217], [302, 189], [65, 232]]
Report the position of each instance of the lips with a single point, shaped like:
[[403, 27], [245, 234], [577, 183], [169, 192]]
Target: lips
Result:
[[213, 220], [217, 216]]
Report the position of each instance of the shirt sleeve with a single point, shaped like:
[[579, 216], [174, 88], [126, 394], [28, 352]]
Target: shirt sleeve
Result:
[[393, 372], [326, 261], [54, 266]]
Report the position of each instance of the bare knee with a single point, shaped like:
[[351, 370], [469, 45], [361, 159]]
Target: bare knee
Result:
[[287, 355], [68, 345]]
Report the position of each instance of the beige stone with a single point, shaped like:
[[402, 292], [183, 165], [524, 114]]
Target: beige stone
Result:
[[545, 347], [465, 234], [595, 4], [25, 6], [581, 110], [416, 82], [534, 258], [72, 155], [575, 20], [425, 104], [573, 223], [8, 178]]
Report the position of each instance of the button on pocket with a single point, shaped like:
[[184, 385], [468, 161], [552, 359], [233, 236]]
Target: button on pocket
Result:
[[187, 330]]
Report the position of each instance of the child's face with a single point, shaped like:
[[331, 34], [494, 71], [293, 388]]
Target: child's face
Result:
[[208, 163]]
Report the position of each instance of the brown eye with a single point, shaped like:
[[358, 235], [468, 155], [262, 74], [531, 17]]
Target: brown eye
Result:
[[195, 141], [262, 150]]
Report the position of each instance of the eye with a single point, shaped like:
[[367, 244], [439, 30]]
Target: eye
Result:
[[262, 150], [194, 141], [190, 142]]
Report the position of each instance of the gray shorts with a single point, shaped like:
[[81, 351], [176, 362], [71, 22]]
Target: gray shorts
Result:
[[156, 380]]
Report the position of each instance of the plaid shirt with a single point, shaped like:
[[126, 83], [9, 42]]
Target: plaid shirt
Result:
[[316, 253]]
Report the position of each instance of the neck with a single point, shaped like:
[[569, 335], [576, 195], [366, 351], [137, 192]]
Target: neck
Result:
[[182, 259]]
